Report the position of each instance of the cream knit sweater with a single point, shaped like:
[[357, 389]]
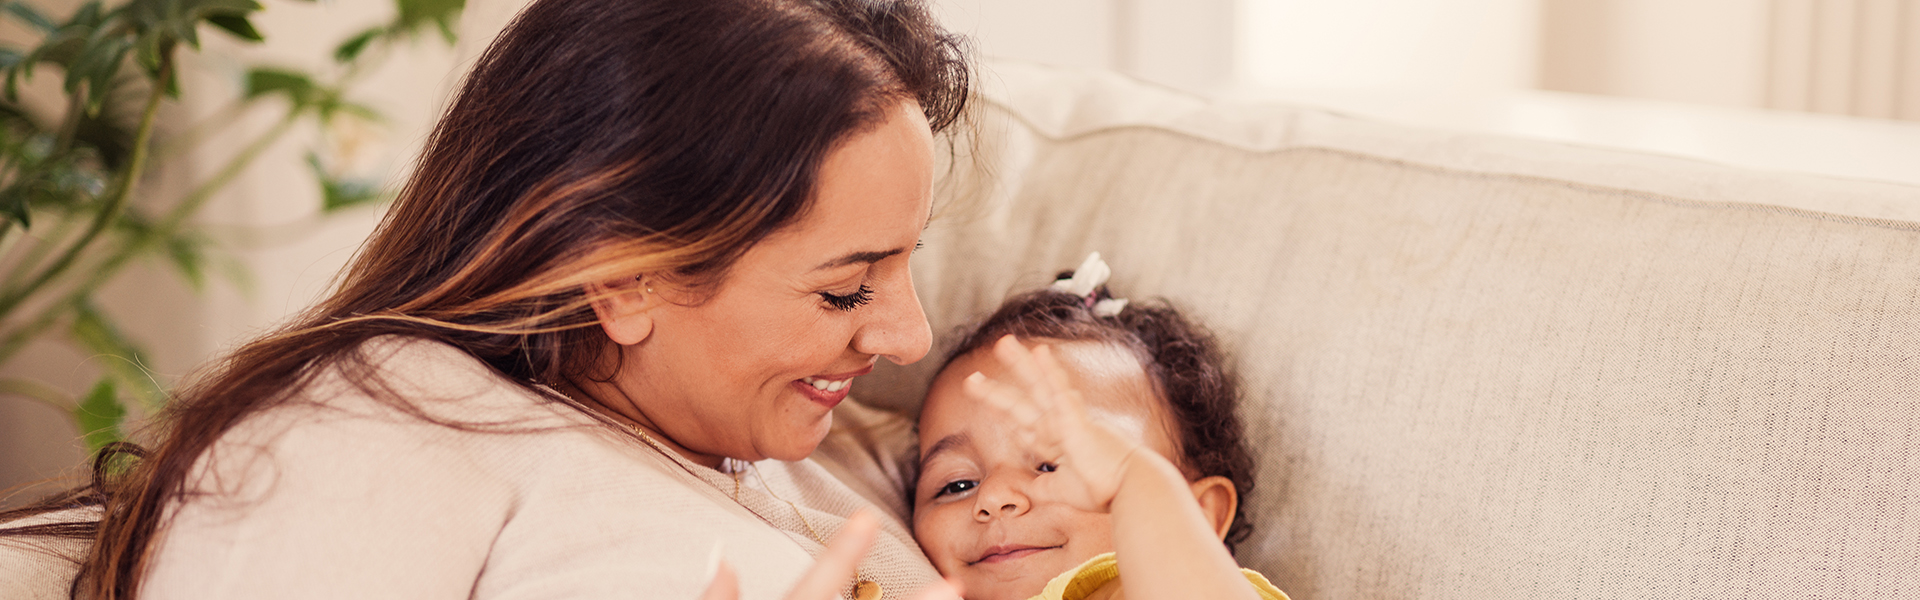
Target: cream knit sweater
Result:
[[338, 495]]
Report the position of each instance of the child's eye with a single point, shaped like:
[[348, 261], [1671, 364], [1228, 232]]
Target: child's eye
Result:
[[849, 301], [1047, 467], [957, 487]]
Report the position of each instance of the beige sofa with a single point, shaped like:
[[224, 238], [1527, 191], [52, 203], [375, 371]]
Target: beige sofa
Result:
[[1477, 367], [1482, 367]]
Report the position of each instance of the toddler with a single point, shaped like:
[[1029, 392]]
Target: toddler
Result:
[[1070, 428]]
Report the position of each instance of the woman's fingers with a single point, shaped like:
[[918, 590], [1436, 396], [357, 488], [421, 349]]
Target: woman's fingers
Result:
[[833, 572], [725, 586], [940, 590]]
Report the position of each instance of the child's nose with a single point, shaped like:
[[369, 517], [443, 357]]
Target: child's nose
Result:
[[999, 500]]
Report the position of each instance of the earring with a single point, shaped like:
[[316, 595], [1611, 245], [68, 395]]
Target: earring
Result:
[[643, 279]]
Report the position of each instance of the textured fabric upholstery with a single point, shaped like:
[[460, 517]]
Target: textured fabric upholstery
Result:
[[1481, 367], [42, 568]]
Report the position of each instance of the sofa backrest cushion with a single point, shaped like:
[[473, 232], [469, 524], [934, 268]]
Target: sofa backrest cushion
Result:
[[1480, 367]]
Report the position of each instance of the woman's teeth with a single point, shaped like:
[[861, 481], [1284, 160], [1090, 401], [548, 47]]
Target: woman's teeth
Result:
[[827, 385]]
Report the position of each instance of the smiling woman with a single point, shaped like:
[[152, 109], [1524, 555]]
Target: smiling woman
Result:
[[753, 370], [650, 244]]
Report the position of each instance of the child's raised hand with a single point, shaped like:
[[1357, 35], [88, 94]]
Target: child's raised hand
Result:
[[1050, 418]]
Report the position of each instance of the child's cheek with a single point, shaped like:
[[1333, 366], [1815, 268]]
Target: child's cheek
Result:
[[934, 529]]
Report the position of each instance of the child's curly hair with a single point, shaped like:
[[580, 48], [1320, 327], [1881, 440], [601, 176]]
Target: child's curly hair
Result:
[[1188, 369]]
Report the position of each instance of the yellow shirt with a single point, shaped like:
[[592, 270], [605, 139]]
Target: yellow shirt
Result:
[[1079, 582]]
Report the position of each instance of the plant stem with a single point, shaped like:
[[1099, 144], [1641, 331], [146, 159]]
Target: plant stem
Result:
[[180, 213], [115, 203], [108, 268], [70, 124], [227, 173], [40, 392], [20, 336], [41, 246]]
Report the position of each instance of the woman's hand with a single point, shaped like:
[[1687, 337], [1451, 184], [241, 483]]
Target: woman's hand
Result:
[[830, 575], [1050, 418]]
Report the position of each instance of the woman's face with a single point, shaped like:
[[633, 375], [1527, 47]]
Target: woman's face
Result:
[[750, 368]]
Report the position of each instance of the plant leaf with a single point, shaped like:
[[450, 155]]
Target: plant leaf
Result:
[[13, 204], [415, 14], [30, 16], [351, 48], [122, 360], [331, 107], [187, 254], [99, 415], [338, 193], [297, 86], [237, 25], [96, 65]]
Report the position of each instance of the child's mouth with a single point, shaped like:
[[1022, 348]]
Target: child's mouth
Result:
[[1004, 553]]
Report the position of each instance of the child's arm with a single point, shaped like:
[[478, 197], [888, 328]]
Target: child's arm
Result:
[[1165, 545]]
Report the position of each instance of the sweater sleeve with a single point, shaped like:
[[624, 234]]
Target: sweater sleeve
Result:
[[308, 501]]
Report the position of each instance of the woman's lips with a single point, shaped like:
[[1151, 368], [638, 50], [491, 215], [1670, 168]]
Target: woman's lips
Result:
[[828, 390], [1000, 554]]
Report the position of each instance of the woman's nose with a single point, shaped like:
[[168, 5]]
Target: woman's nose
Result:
[[999, 500], [897, 328]]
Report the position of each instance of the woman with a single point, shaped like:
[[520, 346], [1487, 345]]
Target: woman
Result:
[[650, 243]]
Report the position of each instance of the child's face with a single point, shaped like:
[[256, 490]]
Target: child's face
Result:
[[973, 510]]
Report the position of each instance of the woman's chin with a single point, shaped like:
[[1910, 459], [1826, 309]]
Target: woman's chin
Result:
[[801, 441]]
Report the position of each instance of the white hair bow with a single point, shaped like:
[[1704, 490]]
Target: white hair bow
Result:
[[1092, 273]]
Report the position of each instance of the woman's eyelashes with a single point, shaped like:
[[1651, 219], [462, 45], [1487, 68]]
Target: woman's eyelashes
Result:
[[849, 301]]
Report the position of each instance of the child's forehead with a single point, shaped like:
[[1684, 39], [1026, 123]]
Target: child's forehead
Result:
[[1109, 376]]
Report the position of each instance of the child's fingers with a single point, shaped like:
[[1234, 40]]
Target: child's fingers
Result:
[[1001, 396], [1056, 375], [1019, 362], [832, 572]]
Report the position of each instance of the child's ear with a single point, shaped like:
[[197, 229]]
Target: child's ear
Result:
[[1218, 500], [622, 306]]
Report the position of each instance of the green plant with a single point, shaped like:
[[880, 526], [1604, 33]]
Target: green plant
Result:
[[73, 215]]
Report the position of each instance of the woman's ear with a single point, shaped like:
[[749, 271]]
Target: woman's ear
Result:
[[1218, 501], [622, 306]]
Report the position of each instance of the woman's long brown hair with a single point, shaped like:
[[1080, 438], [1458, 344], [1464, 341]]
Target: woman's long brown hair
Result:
[[595, 139]]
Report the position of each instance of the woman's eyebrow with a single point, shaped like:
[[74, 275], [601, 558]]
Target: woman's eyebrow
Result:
[[868, 257], [945, 444]]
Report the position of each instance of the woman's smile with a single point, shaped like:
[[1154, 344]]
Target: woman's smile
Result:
[[829, 390]]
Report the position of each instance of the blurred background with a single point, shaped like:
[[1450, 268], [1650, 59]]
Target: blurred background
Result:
[[1824, 86]]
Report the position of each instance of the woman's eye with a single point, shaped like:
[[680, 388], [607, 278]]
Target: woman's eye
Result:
[[1046, 467], [849, 301], [957, 487]]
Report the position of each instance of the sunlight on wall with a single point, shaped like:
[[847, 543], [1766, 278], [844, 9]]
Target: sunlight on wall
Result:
[[1441, 46]]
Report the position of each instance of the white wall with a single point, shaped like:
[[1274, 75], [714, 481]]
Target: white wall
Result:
[[1701, 51], [1442, 46], [1182, 43]]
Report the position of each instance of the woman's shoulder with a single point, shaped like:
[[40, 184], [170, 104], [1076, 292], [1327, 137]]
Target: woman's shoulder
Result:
[[423, 413], [411, 465], [33, 566]]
